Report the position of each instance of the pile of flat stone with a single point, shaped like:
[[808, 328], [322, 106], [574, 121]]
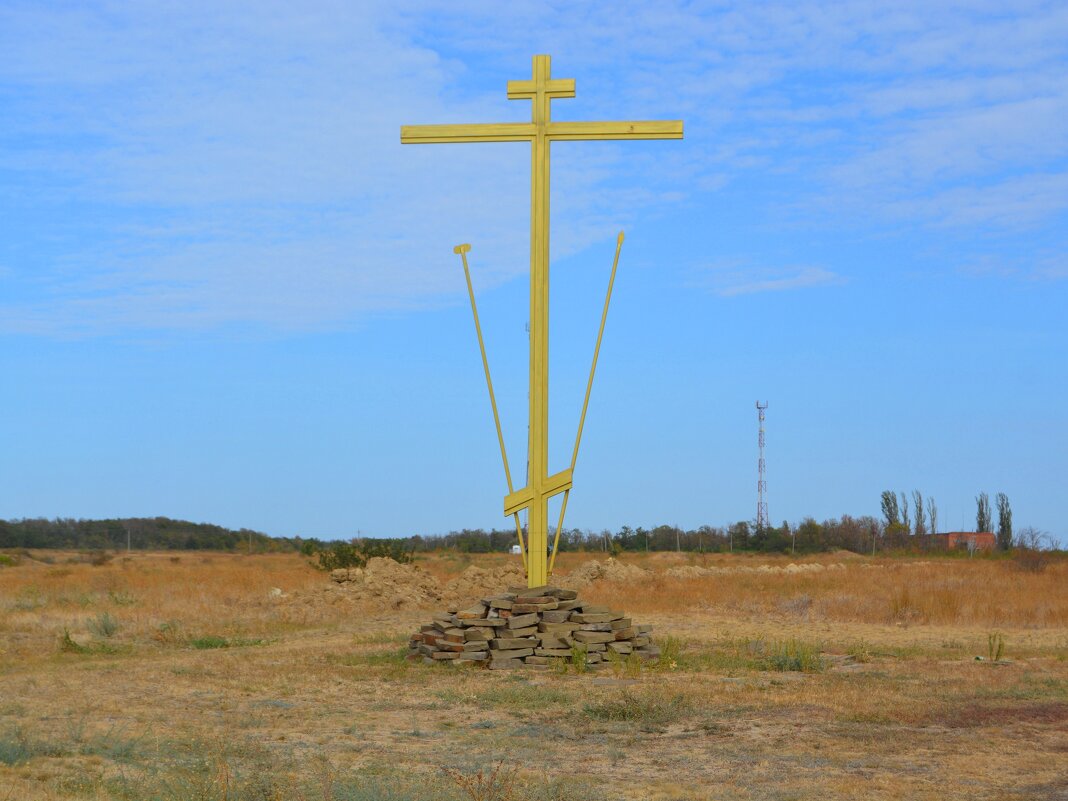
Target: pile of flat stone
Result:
[[532, 627]]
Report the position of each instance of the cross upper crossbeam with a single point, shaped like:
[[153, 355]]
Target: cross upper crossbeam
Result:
[[525, 131]]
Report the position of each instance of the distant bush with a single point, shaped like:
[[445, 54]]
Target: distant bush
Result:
[[356, 554]]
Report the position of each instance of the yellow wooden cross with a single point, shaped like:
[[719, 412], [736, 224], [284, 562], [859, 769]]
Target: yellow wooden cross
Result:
[[540, 131]]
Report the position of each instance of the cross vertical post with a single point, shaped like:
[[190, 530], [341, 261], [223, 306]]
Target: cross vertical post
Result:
[[541, 89]]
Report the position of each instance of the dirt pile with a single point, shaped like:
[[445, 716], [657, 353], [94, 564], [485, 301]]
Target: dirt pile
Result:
[[386, 581], [695, 571], [476, 582], [610, 570]]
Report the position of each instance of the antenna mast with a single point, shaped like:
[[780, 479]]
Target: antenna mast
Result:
[[762, 482]]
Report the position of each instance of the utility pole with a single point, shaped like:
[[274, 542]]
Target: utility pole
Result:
[[762, 483]]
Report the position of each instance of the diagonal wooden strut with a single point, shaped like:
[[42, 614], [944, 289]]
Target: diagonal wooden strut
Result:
[[463, 250], [586, 400]]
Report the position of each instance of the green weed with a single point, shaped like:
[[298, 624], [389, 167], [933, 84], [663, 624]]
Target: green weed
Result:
[[995, 645], [649, 711], [210, 641], [104, 625], [794, 655]]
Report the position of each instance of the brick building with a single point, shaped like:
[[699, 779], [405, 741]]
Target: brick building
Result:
[[984, 540]]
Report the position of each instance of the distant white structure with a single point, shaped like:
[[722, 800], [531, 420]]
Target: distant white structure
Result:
[[517, 550]]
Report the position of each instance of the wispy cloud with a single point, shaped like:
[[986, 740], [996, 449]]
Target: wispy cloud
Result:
[[202, 165], [734, 283]]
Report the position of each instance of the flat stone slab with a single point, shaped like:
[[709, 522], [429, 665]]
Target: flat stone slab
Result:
[[513, 643], [528, 631], [595, 617], [472, 656], [557, 629], [522, 621], [554, 642], [486, 621], [556, 616], [552, 652], [505, 664], [517, 653], [535, 599], [476, 611], [522, 608], [544, 589], [594, 636]]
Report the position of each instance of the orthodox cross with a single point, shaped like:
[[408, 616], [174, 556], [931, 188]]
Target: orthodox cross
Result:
[[540, 131]]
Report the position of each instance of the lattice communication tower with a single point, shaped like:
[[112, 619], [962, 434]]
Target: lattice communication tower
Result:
[[762, 481]]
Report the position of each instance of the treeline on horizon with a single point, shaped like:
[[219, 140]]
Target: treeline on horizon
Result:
[[858, 534], [141, 533]]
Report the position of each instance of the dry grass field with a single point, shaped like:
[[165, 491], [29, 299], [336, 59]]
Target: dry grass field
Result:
[[211, 676]]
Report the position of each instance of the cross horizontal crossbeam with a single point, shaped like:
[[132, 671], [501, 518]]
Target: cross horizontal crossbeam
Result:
[[526, 131]]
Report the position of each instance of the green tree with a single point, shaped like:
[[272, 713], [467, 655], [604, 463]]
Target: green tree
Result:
[[905, 513], [1004, 522], [890, 508], [982, 512], [921, 520], [932, 514]]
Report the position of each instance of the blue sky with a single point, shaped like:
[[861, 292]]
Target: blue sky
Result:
[[228, 294]]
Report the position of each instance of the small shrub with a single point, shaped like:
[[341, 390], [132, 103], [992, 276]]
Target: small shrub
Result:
[[1031, 560], [995, 645], [7, 560], [903, 609], [671, 649], [17, 747], [69, 646], [104, 625], [860, 652], [99, 558], [208, 642], [214, 641], [578, 657], [496, 785], [341, 555], [121, 598], [649, 712], [169, 633], [794, 656], [29, 599]]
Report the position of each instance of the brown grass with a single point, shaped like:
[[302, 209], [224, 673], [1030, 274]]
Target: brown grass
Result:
[[312, 701]]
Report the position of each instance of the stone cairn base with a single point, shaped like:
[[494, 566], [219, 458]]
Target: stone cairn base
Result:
[[536, 627]]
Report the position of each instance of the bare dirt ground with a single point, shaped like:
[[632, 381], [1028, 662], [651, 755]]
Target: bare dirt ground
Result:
[[207, 676]]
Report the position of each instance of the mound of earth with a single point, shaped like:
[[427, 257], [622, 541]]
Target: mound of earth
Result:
[[476, 582], [384, 580], [609, 570]]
